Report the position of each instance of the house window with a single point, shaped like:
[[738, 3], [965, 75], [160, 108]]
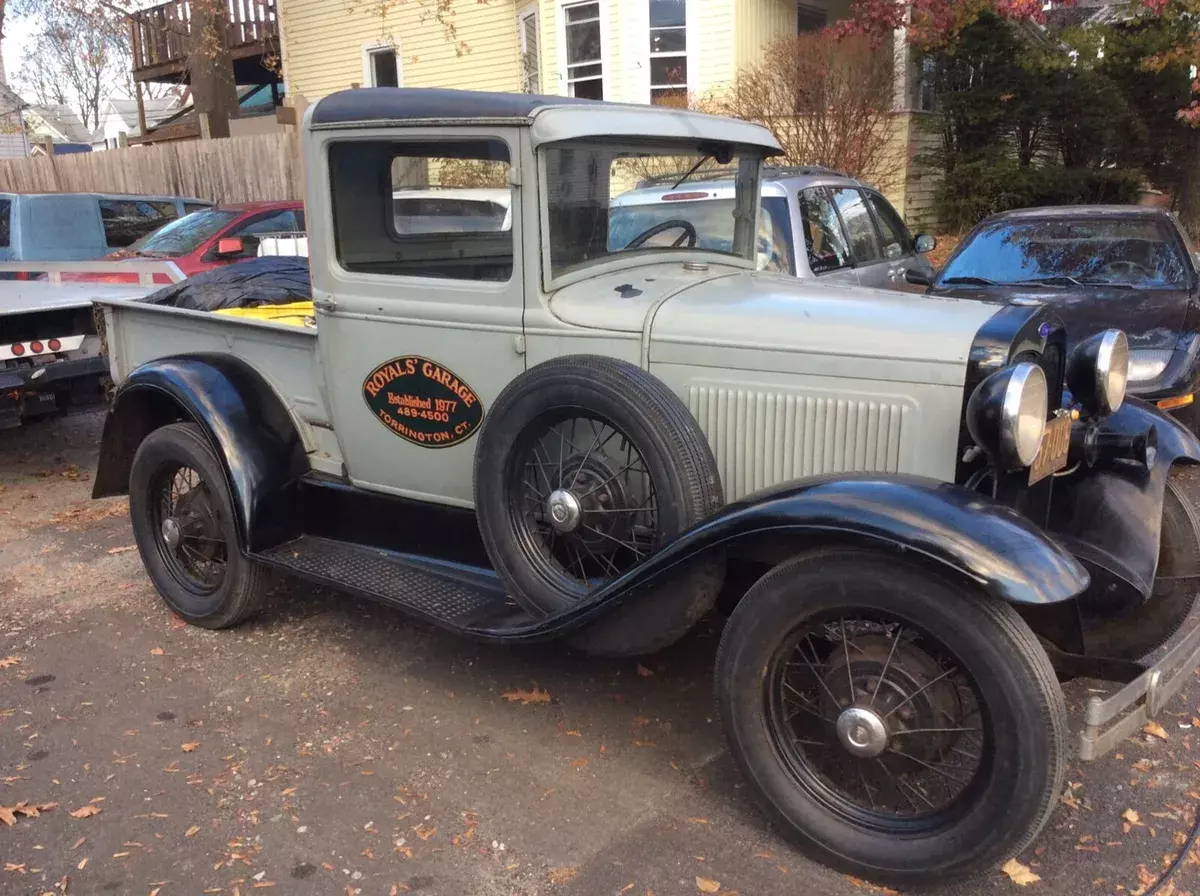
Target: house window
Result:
[[668, 52], [810, 18], [531, 67], [382, 67], [585, 70]]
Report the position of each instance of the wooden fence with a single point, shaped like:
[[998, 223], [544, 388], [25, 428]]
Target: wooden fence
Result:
[[234, 169]]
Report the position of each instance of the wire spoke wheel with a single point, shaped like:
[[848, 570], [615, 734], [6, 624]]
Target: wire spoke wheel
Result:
[[191, 540], [877, 720], [581, 500]]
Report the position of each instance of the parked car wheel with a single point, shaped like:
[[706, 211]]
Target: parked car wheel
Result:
[[1136, 634], [183, 523], [894, 726], [586, 466]]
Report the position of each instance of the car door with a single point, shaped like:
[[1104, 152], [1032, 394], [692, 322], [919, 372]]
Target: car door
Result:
[[419, 331], [824, 237], [897, 242], [870, 264], [282, 220]]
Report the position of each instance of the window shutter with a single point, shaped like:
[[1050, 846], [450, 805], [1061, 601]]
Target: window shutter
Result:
[[530, 57]]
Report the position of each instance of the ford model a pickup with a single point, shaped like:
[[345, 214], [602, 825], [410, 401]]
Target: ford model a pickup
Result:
[[923, 513]]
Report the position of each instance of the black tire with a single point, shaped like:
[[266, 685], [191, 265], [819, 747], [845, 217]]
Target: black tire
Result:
[[1005, 799], [681, 480], [191, 588], [1134, 635]]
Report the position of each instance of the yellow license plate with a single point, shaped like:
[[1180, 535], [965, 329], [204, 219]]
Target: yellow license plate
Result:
[[1052, 453]]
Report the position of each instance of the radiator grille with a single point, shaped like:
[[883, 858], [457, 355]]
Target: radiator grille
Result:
[[764, 438]]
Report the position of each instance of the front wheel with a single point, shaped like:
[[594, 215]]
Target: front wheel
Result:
[[893, 726], [182, 514]]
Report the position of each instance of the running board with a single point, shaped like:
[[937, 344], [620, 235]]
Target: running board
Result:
[[464, 599]]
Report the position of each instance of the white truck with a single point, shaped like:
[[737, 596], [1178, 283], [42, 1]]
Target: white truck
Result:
[[925, 511]]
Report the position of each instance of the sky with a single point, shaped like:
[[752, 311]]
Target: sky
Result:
[[17, 33]]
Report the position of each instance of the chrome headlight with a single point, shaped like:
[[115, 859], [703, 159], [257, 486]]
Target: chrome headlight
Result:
[[1098, 370], [1007, 412]]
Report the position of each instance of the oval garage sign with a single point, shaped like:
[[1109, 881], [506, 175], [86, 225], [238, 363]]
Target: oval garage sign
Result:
[[422, 402]]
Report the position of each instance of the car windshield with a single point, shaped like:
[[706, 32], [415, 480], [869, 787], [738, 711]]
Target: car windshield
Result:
[[711, 219], [1124, 252], [591, 217], [184, 235]]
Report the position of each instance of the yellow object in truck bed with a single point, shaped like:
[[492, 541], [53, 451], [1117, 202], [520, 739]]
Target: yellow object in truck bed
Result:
[[298, 314]]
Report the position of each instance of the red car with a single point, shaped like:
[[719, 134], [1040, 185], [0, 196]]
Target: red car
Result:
[[213, 237]]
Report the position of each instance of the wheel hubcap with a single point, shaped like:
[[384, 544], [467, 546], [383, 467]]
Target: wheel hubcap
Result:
[[171, 532], [563, 510], [862, 732]]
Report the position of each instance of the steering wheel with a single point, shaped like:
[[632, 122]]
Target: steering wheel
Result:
[[689, 234], [1127, 267]]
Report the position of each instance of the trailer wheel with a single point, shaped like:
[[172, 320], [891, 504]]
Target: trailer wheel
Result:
[[585, 467], [183, 523], [893, 726], [1151, 625]]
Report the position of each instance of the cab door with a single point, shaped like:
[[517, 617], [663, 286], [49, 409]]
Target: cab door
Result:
[[826, 245], [419, 300]]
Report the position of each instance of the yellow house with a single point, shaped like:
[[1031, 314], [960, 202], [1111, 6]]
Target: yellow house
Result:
[[635, 51]]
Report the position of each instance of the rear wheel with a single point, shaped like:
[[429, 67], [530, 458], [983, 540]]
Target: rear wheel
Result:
[[1151, 625], [183, 523], [893, 726]]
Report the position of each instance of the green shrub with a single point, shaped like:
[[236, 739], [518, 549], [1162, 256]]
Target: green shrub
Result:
[[981, 187]]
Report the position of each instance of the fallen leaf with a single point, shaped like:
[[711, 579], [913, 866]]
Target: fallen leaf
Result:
[[704, 885], [122, 550], [9, 661], [579, 763], [526, 697], [156, 651], [563, 875], [190, 748], [1019, 874], [79, 842], [1155, 730], [192, 831], [82, 864], [423, 832], [1131, 816], [86, 811], [643, 671], [1143, 765], [698, 820], [7, 816]]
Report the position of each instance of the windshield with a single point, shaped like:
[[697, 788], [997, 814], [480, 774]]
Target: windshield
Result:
[[1126, 252], [710, 217], [592, 218], [185, 234]]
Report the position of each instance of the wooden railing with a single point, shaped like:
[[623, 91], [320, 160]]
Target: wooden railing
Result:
[[161, 34]]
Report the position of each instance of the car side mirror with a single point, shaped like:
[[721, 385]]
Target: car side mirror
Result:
[[231, 247], [924, 243], [917, 278]]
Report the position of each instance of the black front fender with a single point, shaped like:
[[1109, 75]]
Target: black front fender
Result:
[[960, 532], [1111, 516], [244, 419]]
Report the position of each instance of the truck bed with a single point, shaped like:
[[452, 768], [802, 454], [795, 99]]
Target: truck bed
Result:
[[285, 355]]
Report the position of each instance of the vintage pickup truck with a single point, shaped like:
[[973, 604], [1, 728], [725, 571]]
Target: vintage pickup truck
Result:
[[922, 511]]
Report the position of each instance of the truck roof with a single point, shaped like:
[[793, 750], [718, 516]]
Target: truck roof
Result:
[[550, 118]]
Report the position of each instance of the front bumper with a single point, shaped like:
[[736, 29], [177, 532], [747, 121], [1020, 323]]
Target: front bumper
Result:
[[1109, 721]]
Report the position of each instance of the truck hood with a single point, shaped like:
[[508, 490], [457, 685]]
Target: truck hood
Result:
[[778, 314]]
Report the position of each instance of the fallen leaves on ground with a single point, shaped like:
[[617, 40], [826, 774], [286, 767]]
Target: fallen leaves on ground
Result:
[[423, 832], [156, 651], [9, 661], [86, 811], [123, 549], [1155, 730], [8, 814], [704, 885], [192, 831], [1019, 874], [537, 695], [1131, 817], [563, 875], [190, 748], [579, 763]]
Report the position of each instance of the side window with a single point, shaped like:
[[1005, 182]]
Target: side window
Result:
[[128, 220], [897, 241], [863, 241], [423, 209], [189, 207], [282, 221], [5, 231], [828, 249]]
